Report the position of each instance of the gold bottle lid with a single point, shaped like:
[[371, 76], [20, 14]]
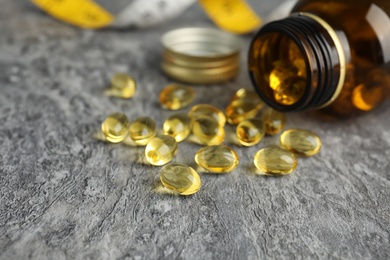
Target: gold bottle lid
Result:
[[200, 55], [200, 76], [182, 60]]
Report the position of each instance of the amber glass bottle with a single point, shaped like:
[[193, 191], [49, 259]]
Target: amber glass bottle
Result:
[[330, 54]]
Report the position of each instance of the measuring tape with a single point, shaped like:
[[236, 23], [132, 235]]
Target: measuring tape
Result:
[[235, 16]]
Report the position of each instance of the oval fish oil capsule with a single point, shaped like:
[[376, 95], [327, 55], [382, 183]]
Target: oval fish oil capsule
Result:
[[116, 127], [122, 85], [207, 130], [161, 150], [275, 161], [177, 126], [176, 96], [250, 132], [243, 105], [240, 110], [279, 74], [207, 110], [290, 91], [142, 130], [218, 159], [301, 142], [248, 96], [273, 120], [180, 178]]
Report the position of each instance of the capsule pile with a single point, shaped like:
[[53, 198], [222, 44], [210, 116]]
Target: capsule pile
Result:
[[205, 124]]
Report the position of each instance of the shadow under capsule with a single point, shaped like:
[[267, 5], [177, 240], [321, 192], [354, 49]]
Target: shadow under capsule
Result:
[[127, 150], [253, 171], [157, 187]]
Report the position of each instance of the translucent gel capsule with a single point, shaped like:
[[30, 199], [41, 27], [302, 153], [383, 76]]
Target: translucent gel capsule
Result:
[[250, 132], [240, 110], [301, 142], [300, 65], [243, 105], [290, 90], [278, 75], [175, 96], [207, 130], [275, 161], [177, 126], [122, 85], [207, 110], [367, 96], [293, 51], [219, 158], [116, 127], [273, 121], [248, 96], [180, 178], [142, 130], [161, 150]]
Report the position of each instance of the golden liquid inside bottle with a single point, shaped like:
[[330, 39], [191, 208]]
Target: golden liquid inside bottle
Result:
[[301, 142], [290, 90], [161, 150], [116, 127], [180, 178], [175, 97], [217, 159], [334, 47], [142, 130], [275, 161], [278, 75]]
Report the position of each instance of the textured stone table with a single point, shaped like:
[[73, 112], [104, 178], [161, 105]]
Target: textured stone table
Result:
[[66, 195]]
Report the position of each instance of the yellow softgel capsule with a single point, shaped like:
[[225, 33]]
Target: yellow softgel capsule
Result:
[[240, 110], [116, 127], [301, 142], [176, 96], [207, 110], [367, 96], [273, 120], [248, 96], [177, 126], [278, 75], [142, 130], [218, 158], [243, 105], [275, 161], [122, 85], [161, 150], [250, 132], [180, 178], [290, 91], [208, 131]]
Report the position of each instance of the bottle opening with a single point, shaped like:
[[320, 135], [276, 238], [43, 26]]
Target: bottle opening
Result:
[[294, 63], [284, 69]]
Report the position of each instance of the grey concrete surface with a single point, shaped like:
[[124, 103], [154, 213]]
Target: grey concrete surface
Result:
[[65, 195]]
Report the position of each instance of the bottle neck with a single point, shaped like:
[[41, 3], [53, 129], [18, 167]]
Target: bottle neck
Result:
[[297, 63]]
